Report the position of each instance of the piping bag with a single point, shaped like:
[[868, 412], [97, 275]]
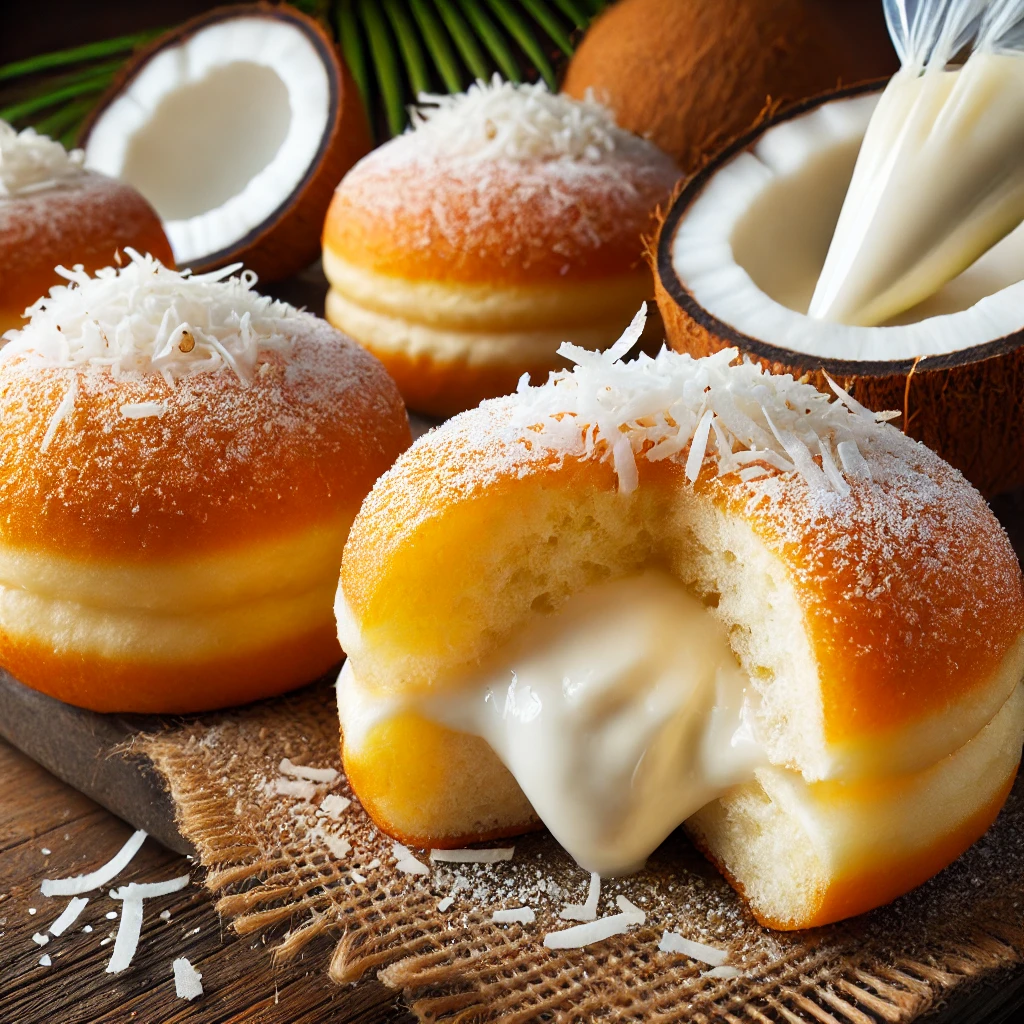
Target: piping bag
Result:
[[939, 178]]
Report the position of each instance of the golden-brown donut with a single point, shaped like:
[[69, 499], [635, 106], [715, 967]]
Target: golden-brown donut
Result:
[[180, 462], [53, 212], [509, 220], [853, 609]]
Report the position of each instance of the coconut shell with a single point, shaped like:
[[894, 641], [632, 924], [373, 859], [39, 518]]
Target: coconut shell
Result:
[[968, 406], [289, 239], [692, 74]]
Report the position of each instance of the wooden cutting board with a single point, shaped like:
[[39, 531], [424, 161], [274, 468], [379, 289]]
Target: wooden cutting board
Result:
[[87, 751]]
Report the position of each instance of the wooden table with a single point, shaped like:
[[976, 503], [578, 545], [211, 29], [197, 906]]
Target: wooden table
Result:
[[39, 812]]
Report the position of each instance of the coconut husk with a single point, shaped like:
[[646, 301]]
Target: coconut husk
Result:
[[289, 239], [692, 74], [968, 406], [269, 859]]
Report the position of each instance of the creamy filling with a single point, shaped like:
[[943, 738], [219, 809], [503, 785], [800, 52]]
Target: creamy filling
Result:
[[619, 715]]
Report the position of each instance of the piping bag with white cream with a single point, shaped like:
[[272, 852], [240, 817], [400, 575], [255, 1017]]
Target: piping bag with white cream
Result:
[[940, 175], [682, 590]]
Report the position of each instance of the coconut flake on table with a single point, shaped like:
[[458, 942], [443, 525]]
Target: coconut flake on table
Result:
[[673, 942], [338, 846], [334, 805], [298, 771], [724, 971], [514, 915], [69, 916], [129, 928], [718, 406], [150, 890], [30, 162], [301, 789], [588, 910], [491, 856], [406, 862], [188, 982], [597, 931], [45, 961], [79, 884]]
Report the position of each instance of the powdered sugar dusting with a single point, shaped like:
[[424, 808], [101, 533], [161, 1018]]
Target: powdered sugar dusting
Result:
[[30, 162]]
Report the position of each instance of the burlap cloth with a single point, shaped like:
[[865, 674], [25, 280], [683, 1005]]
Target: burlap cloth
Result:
[[281, 869]]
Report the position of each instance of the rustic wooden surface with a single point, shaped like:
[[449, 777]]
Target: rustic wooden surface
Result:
[[39, 812], [85, 750]]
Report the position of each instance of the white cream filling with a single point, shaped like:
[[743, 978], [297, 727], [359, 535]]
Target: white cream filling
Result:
[[619, 715]]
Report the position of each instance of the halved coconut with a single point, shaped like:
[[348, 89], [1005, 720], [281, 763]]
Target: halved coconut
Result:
[[738, 256], [236, 127]]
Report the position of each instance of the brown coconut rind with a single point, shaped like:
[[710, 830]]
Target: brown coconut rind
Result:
[[968, 406], [692, 74], [289, 239]]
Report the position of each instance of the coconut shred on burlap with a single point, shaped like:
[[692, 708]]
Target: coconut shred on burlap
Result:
[[291, 859]]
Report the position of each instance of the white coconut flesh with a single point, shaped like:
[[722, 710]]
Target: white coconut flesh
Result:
[[218, 130], [751, 246]]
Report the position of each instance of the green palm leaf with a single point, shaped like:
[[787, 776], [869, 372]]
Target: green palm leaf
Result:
[[395, 49]]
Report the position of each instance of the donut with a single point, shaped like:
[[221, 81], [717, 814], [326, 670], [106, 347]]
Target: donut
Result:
[[180, 461], [463, 252], [685, 591], [53, 212]]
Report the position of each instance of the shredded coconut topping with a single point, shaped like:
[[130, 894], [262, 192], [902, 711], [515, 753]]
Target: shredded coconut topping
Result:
[[506, 120], [30, 162], [744, 417], [146, 318]]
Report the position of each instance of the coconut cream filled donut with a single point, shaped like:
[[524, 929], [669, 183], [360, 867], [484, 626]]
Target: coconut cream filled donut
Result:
[[680, 590], [53, 212], [180, 461], [507, 220]]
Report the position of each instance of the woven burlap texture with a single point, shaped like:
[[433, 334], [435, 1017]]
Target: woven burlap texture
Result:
[[282, 869]]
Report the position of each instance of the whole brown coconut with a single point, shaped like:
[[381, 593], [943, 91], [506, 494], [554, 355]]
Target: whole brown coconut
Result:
[[692, 74]]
